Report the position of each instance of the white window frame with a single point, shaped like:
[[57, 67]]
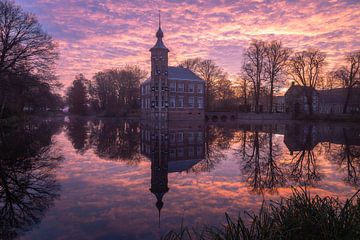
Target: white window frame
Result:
[[180, 89], [200, 88], [191, 102], [180, 99], [192, 87]]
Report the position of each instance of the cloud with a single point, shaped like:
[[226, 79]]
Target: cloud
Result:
[[96, 35]]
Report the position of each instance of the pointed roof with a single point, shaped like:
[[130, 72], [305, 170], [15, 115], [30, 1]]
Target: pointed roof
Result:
[[159, 35]]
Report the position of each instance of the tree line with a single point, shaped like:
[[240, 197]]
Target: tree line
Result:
[[266, 69], [110, 92], [27, 59]]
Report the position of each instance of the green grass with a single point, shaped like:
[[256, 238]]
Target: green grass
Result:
[[300, 216]]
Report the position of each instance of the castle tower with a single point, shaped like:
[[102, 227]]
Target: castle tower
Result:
[[159, 77]]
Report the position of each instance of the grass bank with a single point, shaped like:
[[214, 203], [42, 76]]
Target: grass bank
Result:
[[300, 216]]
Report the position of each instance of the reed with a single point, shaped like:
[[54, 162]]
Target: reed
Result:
[[301, 216]]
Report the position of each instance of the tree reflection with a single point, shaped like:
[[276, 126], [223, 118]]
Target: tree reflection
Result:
[[116, 140], [109, 138], [259, 154], [216, 141], [304, 168], [28, 185], [274, 176], [348, 157], [77, 131], [301, 140]]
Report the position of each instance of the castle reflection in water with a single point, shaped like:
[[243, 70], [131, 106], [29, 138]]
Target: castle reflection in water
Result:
[[172, 146]]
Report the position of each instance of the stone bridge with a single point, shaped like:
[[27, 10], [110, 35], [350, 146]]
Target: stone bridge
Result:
[[221, 116]]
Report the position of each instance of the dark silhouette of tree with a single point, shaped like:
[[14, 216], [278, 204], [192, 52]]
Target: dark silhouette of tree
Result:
[[243, 89], [304, 169], [116, 140], [276, 57], [77, 132], [349, 75], [254, 62], [259, 161], [117, 90], [348, 158], [77, 95], [25, 50], [27, 176], [306, 69], [302, 143], [218, 88], [274, 176], [216, 141], [192, 64]]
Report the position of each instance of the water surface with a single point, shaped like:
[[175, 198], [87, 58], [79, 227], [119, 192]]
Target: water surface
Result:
[[79, 178]]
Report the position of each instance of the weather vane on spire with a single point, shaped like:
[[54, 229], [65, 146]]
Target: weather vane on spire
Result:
[[159, 18]]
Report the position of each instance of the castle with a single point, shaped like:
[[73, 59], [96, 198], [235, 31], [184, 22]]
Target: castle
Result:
[[171, 93]]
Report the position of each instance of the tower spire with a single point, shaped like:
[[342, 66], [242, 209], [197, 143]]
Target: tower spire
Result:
[[159, 18], [159, 35]]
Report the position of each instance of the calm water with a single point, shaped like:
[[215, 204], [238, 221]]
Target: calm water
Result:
[[78, 178]]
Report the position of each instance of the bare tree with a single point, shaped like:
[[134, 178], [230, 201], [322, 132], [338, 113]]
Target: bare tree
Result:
[[191, 63], [25, 49], [254, 67], [276, 60], [211, 73], [349, 75], [306, 69], [24, 45]]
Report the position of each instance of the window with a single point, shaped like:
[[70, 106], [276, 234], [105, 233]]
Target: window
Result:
[[172, 153], [172, 102], [180, 137], [199, 151], [180, 152], [191, 137], [156, 101], [191, 152], [191, 102], [172, 87], [172, 137], [200, 88], [200, 102], [191, 87], [180, 87], [199, 137], [180, 102]]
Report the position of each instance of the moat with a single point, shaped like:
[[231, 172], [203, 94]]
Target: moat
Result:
[[81, 178]]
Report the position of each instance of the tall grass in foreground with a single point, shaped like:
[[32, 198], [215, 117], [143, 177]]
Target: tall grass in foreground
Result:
[[298, 217]]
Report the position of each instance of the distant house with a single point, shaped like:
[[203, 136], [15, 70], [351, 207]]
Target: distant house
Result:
[[332, 101], [296, 100], [329, 101], [171, 93]]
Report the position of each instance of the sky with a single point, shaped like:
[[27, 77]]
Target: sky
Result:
[[96, 35]]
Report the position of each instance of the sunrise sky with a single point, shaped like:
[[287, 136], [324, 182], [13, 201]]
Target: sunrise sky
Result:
[[95, 35]]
